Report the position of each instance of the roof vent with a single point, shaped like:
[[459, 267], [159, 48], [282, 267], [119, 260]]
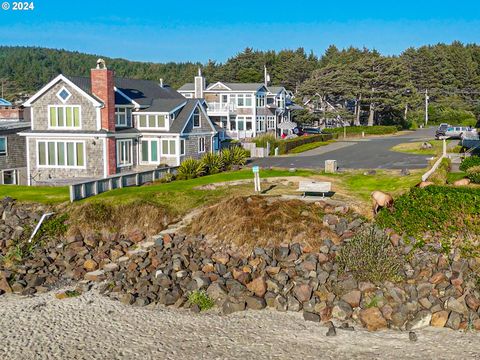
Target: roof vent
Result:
[[101, 64]]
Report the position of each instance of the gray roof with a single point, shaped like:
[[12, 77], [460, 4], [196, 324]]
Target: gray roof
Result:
[[231, 85], [276, 89], [183, 116], [142, 92], [14, 125], [164, 105], [187, 87]]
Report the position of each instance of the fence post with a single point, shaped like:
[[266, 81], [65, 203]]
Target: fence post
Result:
[[72, 193], [137, 179]]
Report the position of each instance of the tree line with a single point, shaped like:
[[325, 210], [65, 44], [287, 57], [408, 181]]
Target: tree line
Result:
[[364, 86]]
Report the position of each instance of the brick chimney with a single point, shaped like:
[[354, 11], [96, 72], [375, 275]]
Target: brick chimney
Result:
[[103, 83]]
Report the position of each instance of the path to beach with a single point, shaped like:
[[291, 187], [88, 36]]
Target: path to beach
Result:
[[94, 327]]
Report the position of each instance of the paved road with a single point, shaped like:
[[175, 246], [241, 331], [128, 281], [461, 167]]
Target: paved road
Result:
[[373, 153]]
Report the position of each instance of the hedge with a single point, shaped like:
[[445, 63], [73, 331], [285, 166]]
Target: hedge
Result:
[[369, 130], [284, 146], [470, 162]]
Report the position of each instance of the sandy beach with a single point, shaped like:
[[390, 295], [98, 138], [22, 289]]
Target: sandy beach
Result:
[[94, 327]]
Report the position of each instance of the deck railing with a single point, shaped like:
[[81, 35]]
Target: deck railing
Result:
[[90, 188]]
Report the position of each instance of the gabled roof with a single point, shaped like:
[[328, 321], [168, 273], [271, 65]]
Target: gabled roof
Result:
[[183, 116], [4, 102], [276, 89], [187, 87], [228, 85]]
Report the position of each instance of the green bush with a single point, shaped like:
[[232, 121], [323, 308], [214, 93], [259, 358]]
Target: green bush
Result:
[[369, 130], [261, 141], [285, 146], [473, 173], [213, 163], [439, 177], [201, 298], [413, 125], [190, 169], [370, 256], [469, 162], [441, 211], [234, 156]]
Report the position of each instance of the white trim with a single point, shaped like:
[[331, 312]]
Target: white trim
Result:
[[126, 97], [98, 113], [29, 182], [61, 135], [15, 176], [218, 83], [184, 148], [64, 101], [75, 157], [160, 134], [165, 118], [200, 133], [117, 150], [105, 154], [6, 145], [65, 117], [204, 145], [161, 146], [149, 151], [53, 82]]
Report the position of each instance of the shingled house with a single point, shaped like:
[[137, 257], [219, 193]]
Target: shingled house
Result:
[[97, 126]]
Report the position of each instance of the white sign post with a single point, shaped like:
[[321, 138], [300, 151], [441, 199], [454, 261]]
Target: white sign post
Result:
[[256, 178]]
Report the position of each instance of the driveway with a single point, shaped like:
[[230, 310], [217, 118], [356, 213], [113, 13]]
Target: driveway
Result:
[[372, 153]]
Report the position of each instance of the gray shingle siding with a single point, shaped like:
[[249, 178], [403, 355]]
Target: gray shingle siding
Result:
[[16, 157]]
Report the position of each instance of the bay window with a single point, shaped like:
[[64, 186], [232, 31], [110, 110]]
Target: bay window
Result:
[[64, 154]]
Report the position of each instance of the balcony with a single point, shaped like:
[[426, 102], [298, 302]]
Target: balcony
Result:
[[216, 108]]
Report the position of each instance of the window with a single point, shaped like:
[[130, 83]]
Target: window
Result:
[[240, 100], [123, 116], [151, 121], [261, 123], [201, 145], [3, 146], [124, 153], [196, 118], [61, 116], [248, 100], [168, 147], [9, 177], [244, 100], [63, 95], [224, 122], [248, 124], [149, 149], [61, 154], [260, 100], [280, 102], [182, 147], [270, 122]]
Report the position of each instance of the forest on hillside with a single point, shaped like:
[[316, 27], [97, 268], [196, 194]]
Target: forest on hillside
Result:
[[365, 86]]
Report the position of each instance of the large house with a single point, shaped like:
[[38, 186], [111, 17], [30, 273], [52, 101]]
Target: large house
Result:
[[98, 126], [241, 110], [13, 162]]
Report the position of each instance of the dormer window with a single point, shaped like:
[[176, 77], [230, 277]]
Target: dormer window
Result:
[[196, 118], [63, 95]]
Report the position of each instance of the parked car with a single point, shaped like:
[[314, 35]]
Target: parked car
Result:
[[441, 130], [456, 132]]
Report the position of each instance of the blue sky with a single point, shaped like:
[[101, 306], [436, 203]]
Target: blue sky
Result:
[[184, 30]]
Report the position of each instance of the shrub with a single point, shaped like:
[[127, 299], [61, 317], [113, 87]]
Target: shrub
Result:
[[234, 156], [440, 211], [439, 177], [285, 146], [261, 141], [413, 125], [201, 298], [369, 130], [213, 163], [473, 173], [370, 256], [469, 162], [190, 169]]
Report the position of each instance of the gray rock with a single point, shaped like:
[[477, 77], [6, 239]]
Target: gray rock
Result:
[[255, 303], [310, 316], [231, 307], [421, 320]]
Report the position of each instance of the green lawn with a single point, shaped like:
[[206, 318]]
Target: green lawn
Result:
[[310, 146], [37, 194], [416, 147]]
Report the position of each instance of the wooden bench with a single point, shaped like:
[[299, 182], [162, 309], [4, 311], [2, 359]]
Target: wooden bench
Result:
[[314, 187]]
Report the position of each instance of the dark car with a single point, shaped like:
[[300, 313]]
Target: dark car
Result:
[[441, 130]]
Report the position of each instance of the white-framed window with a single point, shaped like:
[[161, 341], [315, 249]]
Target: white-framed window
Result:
[[124, 152], [64, 116], [148, 121], [260, 100], [196, 118], [149, 151], [261, 123], [3, 146], [64, 95], [61, 154], [182, 146], [9, 177], [280, 101], [270, 122], [244, 100], [201, 144], [123, 116], [169, 147]]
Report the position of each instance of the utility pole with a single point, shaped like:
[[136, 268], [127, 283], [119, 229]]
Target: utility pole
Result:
[[426, 107]]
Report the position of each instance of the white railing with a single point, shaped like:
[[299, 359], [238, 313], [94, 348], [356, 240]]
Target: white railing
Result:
[[90, 188], [216, 107]]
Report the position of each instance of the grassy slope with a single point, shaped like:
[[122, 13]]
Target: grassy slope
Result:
[[415, 148], [310, 146], [38, 194]]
